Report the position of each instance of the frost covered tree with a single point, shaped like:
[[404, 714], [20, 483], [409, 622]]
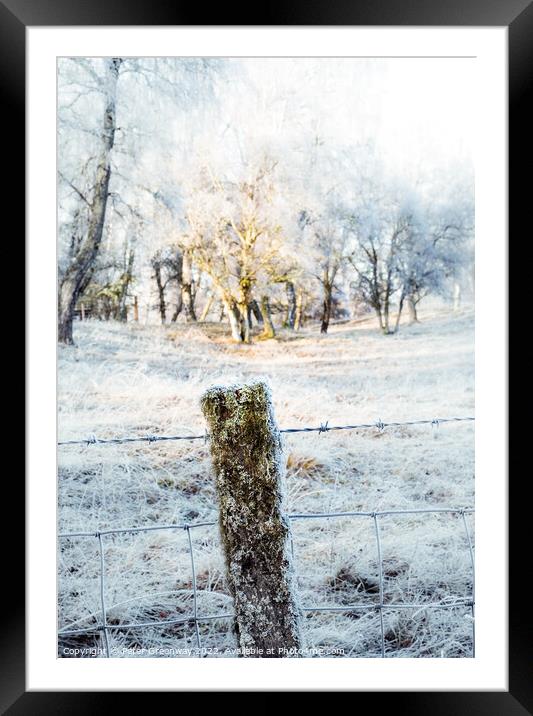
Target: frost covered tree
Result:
[[323, 187], [175, 284], [101, 157], [437, 246], [453, 235], [327, 240], [406, 245], [87, 225], [378, 228], [234, 235]]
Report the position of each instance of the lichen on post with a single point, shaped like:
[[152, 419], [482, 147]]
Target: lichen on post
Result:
[[246, 452]]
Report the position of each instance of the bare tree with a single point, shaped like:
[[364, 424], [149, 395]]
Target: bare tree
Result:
[[327, 238], [291, 305], [235, 237], [90, 153], [268, 326], [434, 251], [78, 271], [126, 277], [379, 228], [187, 284], [161, 283]]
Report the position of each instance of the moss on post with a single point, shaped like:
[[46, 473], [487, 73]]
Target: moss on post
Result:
[[247, 457]]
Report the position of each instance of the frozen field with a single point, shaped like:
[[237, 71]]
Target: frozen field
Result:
[[123, 380]]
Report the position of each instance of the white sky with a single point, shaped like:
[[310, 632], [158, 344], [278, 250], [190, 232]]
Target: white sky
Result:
[[418, 112]]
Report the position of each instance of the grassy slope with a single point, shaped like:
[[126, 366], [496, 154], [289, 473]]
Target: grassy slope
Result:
[[125, 380]]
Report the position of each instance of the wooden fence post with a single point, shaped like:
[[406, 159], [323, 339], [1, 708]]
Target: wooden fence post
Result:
[[245, 446]]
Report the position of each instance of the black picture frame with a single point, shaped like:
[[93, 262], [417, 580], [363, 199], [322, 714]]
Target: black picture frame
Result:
[[517, 15]]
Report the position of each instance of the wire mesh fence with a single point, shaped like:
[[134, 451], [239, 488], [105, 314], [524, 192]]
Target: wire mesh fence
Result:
[[192, 621]]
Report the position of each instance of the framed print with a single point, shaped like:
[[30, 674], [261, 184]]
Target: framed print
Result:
[[257, 257]]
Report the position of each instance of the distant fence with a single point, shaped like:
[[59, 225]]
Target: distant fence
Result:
[[103, 627]]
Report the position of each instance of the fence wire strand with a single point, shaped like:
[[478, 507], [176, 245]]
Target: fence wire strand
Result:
[[380, 567], [102, 594], [473, 566], [322, 428], [195, 591]]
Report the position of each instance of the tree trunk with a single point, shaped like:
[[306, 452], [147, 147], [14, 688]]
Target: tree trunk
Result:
[[136, 309], [268, 326], [246, 451], [299, 316], [399, 314], [456, 296], [177, 310], [326, 308], [235, 320], [174, 283], [160, 292], [246, 329], [256, 311], [68, 294], [125, 285], [386, 317], [83, 262], [411, 311], [207, 306], [243, 303], [186, 288], [108, 308], [379, 315], [291, 307]]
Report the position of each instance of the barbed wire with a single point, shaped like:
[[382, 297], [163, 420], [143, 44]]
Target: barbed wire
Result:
[[104, 626], [322, 428]]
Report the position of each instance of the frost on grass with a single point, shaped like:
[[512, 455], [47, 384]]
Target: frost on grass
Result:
[[247, 458], [131, 379]]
